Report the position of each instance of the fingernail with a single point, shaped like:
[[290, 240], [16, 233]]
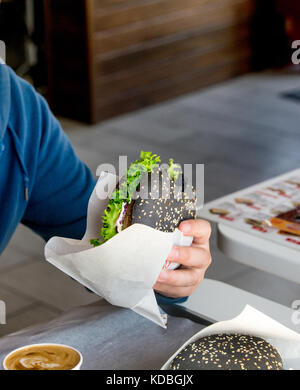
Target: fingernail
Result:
[[163, 276], [174, 254], [185, 227]]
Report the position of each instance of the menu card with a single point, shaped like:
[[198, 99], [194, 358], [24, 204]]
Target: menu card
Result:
[[270, 210]]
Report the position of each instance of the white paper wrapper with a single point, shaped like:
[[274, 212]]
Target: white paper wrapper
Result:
[[254, 323], [125, 268]]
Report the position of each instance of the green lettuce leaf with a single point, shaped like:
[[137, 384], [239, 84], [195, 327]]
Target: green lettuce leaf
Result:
[[134, 174], [109, 219], [174, 170]]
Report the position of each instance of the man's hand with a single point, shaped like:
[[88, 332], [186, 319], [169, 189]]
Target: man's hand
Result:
[[194, 262]]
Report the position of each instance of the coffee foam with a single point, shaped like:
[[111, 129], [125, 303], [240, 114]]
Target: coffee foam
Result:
[[43, 357]]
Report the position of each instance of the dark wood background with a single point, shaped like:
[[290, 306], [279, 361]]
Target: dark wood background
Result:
[[290, 9], [108, 57]]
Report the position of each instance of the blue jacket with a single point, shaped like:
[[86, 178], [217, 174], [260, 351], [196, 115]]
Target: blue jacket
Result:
[[43, 184]]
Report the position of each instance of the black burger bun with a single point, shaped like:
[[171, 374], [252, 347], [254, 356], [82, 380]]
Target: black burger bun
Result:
[[162, 203], [228, 352]]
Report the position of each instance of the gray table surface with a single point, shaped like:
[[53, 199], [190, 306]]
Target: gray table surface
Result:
[[109, 338]]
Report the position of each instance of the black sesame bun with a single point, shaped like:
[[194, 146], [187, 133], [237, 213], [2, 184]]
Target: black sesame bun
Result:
[[162, 203], [228, 352]]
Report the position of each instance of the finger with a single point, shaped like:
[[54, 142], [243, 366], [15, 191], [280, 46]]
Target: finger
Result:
[[197, 228], [184, 277], [190, 256], [174, 292]]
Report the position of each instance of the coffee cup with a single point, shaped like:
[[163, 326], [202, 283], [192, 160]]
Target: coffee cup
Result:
[[44, 356]]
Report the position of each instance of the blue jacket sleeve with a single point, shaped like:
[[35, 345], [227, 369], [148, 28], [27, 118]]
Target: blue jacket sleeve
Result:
[[61, 184], [162, 300]]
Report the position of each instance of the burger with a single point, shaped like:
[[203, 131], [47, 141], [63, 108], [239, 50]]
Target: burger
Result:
[[155, 195], [228, 352]]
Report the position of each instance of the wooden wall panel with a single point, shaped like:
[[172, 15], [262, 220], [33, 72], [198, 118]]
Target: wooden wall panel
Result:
[[144, 11], [172, 88], [127, 82], [172, 51], [120, 55], [156, 31]]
